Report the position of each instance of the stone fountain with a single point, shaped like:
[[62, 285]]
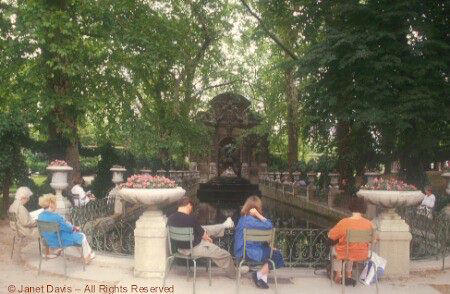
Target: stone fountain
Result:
[[150, 234]]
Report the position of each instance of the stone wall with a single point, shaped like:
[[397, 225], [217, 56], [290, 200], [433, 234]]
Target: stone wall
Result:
[[284, 195]]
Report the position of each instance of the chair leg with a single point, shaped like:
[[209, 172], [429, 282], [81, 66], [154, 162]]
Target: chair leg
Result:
[[343, 277], [274, 275], [168, 266], [376, 276], [40, 257], [238, 280], [195, 274], [14, 242], [209, 270], [65, 263], [82, 260], [187, 269], [331, 269]]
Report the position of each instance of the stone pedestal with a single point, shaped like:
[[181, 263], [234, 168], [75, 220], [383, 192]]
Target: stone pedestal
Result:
[[393, 245], [150, 253]]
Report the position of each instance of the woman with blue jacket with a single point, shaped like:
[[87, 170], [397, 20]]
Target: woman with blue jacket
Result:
[[252, 218], [70, 235]]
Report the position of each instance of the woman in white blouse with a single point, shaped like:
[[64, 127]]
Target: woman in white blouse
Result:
[[428, 201], [80, 197]]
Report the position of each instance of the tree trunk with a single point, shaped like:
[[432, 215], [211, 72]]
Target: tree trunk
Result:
[[5, 190], [292, 125], [343, 150]]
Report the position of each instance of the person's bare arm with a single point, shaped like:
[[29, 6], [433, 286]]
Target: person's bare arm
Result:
[[206, 237]]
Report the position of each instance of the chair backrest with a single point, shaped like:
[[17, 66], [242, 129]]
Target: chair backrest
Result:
[[182, 234], [255, 235], [359, 236], [49, 227], [13, 218]]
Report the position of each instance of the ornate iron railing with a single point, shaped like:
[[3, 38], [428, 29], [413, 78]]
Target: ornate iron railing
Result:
[[92, 210], [430, 232], [300, 247], [115, 237]]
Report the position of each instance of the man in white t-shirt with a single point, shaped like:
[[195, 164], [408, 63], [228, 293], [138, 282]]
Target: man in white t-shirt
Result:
[[428, 201], [81, 197]]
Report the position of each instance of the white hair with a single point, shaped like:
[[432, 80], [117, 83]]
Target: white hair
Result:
[[23, 192]]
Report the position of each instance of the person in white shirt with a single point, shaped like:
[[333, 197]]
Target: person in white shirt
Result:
[[80, 197], [428, 202]]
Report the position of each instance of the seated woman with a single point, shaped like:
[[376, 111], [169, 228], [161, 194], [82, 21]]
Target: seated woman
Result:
[[26, 225], [427, 205], [81, 197], [339, 233], [252, 218], [69, 234]]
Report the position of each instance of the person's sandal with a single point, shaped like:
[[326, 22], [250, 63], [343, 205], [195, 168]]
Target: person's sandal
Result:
[[53, 254], [88, 259], [350, 282]]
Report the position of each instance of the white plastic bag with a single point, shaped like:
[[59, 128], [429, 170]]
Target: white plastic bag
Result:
[[367, 276]]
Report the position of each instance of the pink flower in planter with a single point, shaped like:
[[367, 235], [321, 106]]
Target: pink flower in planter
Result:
[[389, 185], [58, 163], [146, 181]]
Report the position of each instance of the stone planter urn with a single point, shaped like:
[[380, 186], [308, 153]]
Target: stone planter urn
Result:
[[334, 180], [446, 175], [393, 232], [150, 234], [117, 176], [59, 183], [371, 176]]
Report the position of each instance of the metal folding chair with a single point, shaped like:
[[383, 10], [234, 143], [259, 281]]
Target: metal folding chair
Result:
[[52, 227], [183, 235], [257, 236], [356, 236], [12, 218]]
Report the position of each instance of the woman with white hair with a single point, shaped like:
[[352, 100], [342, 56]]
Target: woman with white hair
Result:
[[26, 225], [70, 235]]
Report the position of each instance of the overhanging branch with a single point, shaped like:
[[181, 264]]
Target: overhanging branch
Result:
[[269, 33]]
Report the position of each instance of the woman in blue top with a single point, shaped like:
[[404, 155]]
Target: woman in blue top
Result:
[[252, 218], [70, 235]]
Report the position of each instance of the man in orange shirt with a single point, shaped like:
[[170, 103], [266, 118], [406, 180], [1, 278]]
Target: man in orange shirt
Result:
[[356, 251]]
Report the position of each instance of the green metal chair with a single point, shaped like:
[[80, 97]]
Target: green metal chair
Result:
[[52, 227], [255, 235], [12, 218], [356, 236], [183, 235]]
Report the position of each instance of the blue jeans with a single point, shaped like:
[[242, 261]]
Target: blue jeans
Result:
[[276, 257]]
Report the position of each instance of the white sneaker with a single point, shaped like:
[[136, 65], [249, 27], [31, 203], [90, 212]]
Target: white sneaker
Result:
[[244, 269], [228, 223]]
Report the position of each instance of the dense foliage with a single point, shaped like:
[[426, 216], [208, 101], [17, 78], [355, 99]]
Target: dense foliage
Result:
[[359, 82]]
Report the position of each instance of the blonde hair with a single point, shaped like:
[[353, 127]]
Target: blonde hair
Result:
[[23, 192], [47, 199], [252, 202]]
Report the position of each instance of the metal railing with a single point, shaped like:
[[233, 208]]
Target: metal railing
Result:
[[301, 247], [430, 232], [98, 208]]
